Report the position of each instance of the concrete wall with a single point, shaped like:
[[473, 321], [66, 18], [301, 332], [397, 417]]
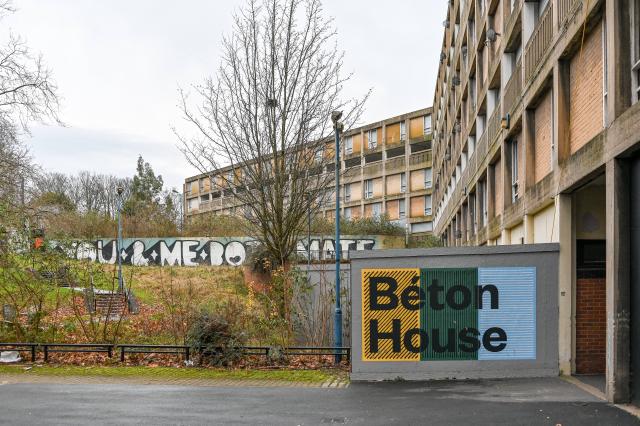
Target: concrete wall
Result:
[[543, 257], [231, 251]]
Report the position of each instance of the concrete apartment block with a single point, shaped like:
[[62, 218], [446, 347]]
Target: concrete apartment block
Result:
[[555, 83], [386, 170]]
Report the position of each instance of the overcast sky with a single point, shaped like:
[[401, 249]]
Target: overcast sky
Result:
[[118, 64]]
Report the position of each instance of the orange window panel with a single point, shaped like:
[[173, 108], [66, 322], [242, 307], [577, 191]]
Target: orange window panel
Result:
[[393, 133], [394, 184], [393, 209], [417, 206], [416, 127]]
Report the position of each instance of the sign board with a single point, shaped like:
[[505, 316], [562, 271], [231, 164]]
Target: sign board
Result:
[[449, 314]]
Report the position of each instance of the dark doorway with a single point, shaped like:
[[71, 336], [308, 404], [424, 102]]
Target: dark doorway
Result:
[[634, 221], [590, 304]]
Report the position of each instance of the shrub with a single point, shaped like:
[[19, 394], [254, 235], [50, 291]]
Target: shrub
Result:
[[380, 225], [215, 341]]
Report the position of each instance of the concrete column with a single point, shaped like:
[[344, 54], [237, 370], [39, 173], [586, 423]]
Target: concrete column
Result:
[[529, 148], [563, 233], [618, 280], [561, 85], [528, 229], [491, 194], [618, 57]]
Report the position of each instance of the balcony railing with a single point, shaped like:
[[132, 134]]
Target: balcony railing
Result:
[[494, 125], [396, 163], [539, 43], [513, 89], [565, 7], [420, 158]]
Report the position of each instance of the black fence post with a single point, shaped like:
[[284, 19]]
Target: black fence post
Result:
[[121, 353], [110, 351], [33, 353], [46, 353], [186, 353]]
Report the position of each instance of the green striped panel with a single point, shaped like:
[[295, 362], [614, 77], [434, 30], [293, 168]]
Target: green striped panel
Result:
[[448, 317]]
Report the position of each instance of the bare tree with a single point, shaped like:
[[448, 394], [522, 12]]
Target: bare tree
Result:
[[27, 94], [265, 116]]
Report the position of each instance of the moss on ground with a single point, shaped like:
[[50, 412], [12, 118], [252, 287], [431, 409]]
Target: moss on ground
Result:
[[305, 376]]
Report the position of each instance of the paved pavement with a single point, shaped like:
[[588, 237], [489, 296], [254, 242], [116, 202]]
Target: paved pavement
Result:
[[495, 402]]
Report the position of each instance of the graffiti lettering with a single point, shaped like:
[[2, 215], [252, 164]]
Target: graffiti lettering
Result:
[[202, 251]]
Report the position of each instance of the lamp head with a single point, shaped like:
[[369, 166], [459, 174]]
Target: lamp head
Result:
[[119, 190], [335, 116]]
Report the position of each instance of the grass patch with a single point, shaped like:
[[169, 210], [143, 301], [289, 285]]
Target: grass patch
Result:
[[306, 376]]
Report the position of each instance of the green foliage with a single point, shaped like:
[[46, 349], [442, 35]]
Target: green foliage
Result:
[[380, 225], [426, 241], [215, 340], [55, 199], [146, 185]]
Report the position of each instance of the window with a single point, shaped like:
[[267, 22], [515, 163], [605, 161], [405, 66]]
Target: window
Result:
[[427, 124], [514, 171], [368, 189], [402, 209], [482, 200], [348, 145], [192, 204], [403, 183], [403, 130], [427, 205], [376, 210], [373, 138], [347, 192], [427, 178], [635, 48], [347, 213]]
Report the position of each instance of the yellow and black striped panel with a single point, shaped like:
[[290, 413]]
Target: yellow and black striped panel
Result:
[[409, 319]]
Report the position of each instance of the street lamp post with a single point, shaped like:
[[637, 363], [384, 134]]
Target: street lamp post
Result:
[[337, 325], [120, 247]]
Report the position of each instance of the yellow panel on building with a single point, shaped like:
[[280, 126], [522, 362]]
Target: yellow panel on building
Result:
[[393, 133], [416, 127], [394, 184], [376, 321]]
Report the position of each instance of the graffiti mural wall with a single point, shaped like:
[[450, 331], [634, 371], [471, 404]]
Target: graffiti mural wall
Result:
[[206, 251]]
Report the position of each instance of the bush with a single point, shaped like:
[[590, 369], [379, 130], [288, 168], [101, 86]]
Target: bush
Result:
[[426, 241], [380, 225], [215, 341]]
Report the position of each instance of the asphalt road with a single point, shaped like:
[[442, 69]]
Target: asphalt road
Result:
[[495, 402]]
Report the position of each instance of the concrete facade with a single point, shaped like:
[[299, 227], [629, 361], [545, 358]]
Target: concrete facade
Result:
[[386, 170], [546, 91]]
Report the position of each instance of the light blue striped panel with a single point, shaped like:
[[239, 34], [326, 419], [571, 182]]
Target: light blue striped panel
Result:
[[516, 313]]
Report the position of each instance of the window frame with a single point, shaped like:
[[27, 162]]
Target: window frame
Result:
[[368, 189], [402, 209], [348, 145], [403, 183], [428, 211], [428, 183], [514, 170], [372, 143]]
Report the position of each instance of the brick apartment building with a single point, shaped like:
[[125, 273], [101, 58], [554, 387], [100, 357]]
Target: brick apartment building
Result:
[[386, 170], [536, 135]]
